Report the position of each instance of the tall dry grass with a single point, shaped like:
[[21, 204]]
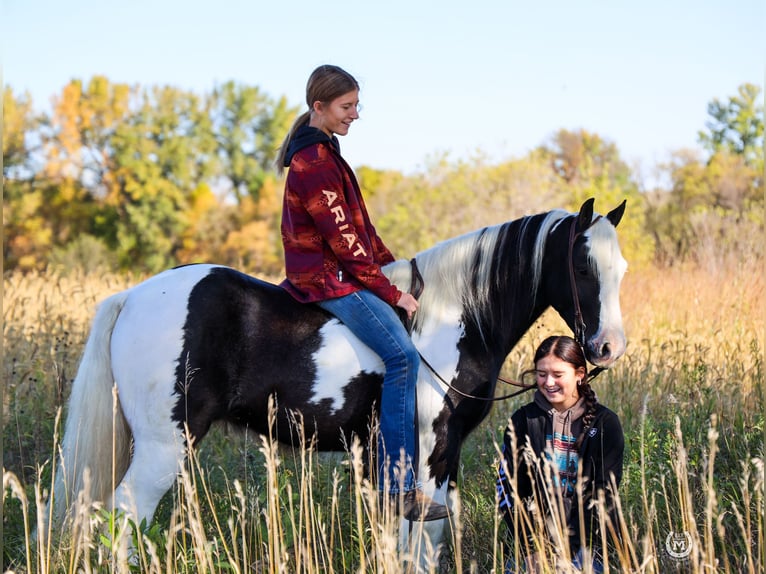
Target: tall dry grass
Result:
[[688, 392]]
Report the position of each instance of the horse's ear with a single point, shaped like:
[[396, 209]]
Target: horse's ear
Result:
[[615, 215], [585, 218]]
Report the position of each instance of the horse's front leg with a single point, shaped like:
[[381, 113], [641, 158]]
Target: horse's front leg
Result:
[[425, 541]]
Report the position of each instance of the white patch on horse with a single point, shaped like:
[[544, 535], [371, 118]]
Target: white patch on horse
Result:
[[144, 370], [145, 367], [610, 267], [438, 343], [341, 357]]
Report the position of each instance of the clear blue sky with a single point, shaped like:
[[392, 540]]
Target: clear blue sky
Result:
[[437, 76]]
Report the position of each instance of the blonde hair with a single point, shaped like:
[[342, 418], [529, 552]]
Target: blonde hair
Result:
[[326, 83]]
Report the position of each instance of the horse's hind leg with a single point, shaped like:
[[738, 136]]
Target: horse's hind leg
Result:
[[145, 351], [153, 470]]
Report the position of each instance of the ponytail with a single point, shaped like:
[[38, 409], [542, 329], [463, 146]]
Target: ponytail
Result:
[[279, 163]]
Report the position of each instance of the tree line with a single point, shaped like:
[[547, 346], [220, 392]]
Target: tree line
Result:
[[143, 178]]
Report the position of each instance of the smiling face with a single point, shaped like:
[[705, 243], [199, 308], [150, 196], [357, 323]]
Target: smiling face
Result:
[[557, 381], [336, 116]]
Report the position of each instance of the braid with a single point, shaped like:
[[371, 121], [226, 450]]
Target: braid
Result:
[[591, 401]]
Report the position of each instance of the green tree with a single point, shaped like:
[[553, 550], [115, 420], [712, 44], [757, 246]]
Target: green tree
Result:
[[249, 127], [143, 173], [160, 156], [713, 211], [736, 126]]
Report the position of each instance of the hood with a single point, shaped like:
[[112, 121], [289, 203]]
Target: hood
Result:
[[572, 414], [306, 136]]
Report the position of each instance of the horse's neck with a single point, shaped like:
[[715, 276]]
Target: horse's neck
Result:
[[502, 343], [485, 285], [507, 317], [455, 337]]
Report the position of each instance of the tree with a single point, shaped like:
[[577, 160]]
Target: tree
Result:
[[78, 143], [161, 155], [79, 159], [22, 235], [581, 155], [19, 121], [669, 212], [713, 211], [248, 126], [589, 166], [255, 243], [736, 126]]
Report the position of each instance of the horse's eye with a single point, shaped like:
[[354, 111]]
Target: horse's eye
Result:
[[582, 271]]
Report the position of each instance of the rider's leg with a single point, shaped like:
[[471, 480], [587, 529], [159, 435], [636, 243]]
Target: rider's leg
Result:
[[376, 324]]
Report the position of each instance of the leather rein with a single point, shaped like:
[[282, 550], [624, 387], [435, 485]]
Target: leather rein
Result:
[[416, 289]]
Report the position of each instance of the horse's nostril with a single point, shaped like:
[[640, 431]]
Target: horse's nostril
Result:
[[606, 350]]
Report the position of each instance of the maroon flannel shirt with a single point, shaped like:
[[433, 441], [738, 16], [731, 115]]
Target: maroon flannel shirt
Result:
[[331, 247]]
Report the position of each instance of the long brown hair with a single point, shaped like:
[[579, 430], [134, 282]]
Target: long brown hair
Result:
[[326, 83], [569, 351]]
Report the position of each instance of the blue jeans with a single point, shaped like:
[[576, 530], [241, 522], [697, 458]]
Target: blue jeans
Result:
[[377, 325]]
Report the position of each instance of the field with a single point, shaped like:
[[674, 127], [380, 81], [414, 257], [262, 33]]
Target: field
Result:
[[689, 392]]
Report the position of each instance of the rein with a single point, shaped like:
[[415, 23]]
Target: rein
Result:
[[416, 289]]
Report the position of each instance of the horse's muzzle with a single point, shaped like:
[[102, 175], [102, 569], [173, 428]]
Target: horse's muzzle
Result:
[[603, 350]]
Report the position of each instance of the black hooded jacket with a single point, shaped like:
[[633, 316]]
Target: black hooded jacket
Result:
[[600, 456]]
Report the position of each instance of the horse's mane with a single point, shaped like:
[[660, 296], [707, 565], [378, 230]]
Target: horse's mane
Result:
[[458, 271]]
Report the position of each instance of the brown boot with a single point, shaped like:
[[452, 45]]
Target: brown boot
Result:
[[417, 506]]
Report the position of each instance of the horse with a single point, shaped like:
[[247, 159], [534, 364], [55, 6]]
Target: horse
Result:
[[203, 343]]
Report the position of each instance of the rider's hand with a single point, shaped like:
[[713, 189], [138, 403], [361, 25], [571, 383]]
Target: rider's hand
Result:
[[408, 303]]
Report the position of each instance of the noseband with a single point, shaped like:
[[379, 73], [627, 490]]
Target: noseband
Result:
[[416, 289]]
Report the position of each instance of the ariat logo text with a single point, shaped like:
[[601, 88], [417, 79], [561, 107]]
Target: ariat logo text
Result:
[[352, 241]]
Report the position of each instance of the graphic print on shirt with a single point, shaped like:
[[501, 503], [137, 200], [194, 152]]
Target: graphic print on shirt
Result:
[[564, 459], [352, 241]]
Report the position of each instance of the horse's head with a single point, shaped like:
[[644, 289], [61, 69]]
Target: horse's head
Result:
[[586, 290]]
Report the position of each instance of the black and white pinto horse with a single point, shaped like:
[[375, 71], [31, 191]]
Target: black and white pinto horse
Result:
[[205, 343]]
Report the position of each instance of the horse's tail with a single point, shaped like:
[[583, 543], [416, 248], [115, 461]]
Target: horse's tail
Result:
[[95, 448]]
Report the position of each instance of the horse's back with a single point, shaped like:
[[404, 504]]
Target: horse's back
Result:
[[203, 343], [213, 290]]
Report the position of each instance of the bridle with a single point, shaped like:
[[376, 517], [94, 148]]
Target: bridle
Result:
[[579, 322], [416, 289]]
